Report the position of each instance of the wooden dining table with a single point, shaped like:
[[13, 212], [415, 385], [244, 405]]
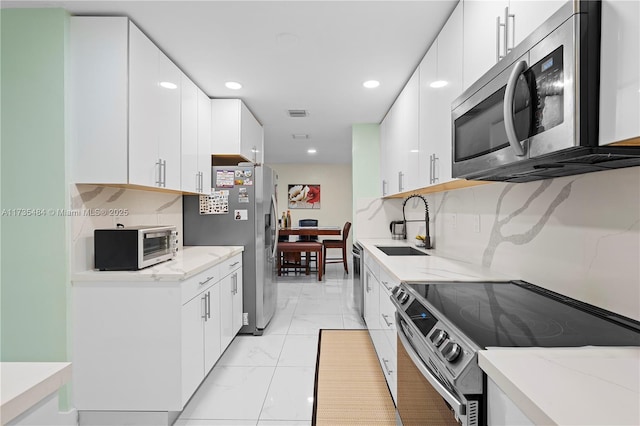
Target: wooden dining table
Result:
[[306, 230], [311, 230]]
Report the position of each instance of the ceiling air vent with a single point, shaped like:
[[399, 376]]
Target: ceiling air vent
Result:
[[298, 113]]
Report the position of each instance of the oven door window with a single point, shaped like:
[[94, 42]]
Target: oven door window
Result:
[[156, 245]]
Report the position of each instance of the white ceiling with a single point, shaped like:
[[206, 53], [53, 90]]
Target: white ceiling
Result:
[[311, 55]]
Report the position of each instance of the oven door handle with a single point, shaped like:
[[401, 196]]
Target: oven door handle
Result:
[[457, 406]]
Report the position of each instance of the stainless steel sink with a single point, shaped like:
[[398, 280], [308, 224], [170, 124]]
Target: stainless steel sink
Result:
[[401, 251]]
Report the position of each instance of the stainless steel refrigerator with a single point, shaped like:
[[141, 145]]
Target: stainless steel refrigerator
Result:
[[242, 211]]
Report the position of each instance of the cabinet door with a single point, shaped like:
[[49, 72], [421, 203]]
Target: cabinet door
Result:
[[449, 68], [371, 302], [204, 141], [390, 158], [212, 347], [384, 163], [428, 113], [238, 306], [192, 346], [144, 168], [250, 134], [189, 141], [620, 71], [480, 42], [226, 311], [529, 15], [225, 126], [408, 109], [168, 121]]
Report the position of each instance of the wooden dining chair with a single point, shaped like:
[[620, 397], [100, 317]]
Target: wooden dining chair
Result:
[[336, 244], [306, 238]]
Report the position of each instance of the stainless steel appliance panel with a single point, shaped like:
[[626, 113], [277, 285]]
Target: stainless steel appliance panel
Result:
[[259, 291]]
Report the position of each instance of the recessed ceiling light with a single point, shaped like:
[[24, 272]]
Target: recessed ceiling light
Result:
[[233, 85], [414, 150], [311, 151], [371, 84], [438, 84], [168, 85]]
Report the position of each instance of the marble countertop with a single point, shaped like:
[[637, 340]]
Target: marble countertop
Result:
[[423, 268], [189, 261], [569, 386], [24, 384], [585, 386]]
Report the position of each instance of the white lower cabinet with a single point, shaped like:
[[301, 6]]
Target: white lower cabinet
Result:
[[501, 410], [147, 346], [380, 320], [231, 305]]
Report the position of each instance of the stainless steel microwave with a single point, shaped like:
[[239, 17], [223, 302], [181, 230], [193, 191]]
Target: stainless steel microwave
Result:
[[534, 115], [133, 248]]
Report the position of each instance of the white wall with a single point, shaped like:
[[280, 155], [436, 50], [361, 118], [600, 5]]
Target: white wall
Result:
[[335, 197], [576, 235]]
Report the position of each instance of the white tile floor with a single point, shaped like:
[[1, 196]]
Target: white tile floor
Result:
[[268, 380]]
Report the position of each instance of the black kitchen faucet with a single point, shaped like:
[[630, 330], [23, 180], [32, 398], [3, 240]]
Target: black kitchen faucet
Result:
[[427, 238]]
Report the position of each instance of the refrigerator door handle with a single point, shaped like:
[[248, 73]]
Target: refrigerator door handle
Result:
[[274, 207]]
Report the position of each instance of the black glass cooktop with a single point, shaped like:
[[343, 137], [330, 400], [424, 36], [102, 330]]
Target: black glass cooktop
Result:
[[520, 314]]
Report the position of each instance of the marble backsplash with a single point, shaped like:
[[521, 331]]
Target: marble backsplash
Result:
[[576, 235], [94, 207]]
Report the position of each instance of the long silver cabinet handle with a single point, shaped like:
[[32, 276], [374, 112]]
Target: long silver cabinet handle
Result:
[[507, 111], [204, 310], [234, 264], [385, 283], [159, 167], [208, 305]]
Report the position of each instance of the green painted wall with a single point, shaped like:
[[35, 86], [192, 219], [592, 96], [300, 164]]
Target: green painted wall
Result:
[[34, 244], [365, 158]]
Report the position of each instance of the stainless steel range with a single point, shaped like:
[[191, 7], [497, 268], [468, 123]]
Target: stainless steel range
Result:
[[443, 325]]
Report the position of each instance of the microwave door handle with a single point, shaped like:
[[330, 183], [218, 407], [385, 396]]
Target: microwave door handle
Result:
[[509, 95]]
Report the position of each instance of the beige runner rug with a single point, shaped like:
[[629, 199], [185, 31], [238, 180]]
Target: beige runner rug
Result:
[[350, 388]]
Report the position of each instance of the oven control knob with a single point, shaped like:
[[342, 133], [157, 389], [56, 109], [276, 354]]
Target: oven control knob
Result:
[[403, 296], [396, 290], [451, 351], [438, 337]]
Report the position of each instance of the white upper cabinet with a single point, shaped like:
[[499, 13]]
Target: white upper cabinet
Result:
[[443, 64], [196, 138], [154, 115], [620, 71], [408, 138], [529, 15], [483, 37], [493, 28], [399, 141], [204, 141], [235, 131], [190, 171], [129, 115], [449, 69], [99, 99]]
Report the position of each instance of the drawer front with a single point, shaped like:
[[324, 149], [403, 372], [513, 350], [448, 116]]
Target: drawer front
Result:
[[387, 281], [195, 285], [232, 264]]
